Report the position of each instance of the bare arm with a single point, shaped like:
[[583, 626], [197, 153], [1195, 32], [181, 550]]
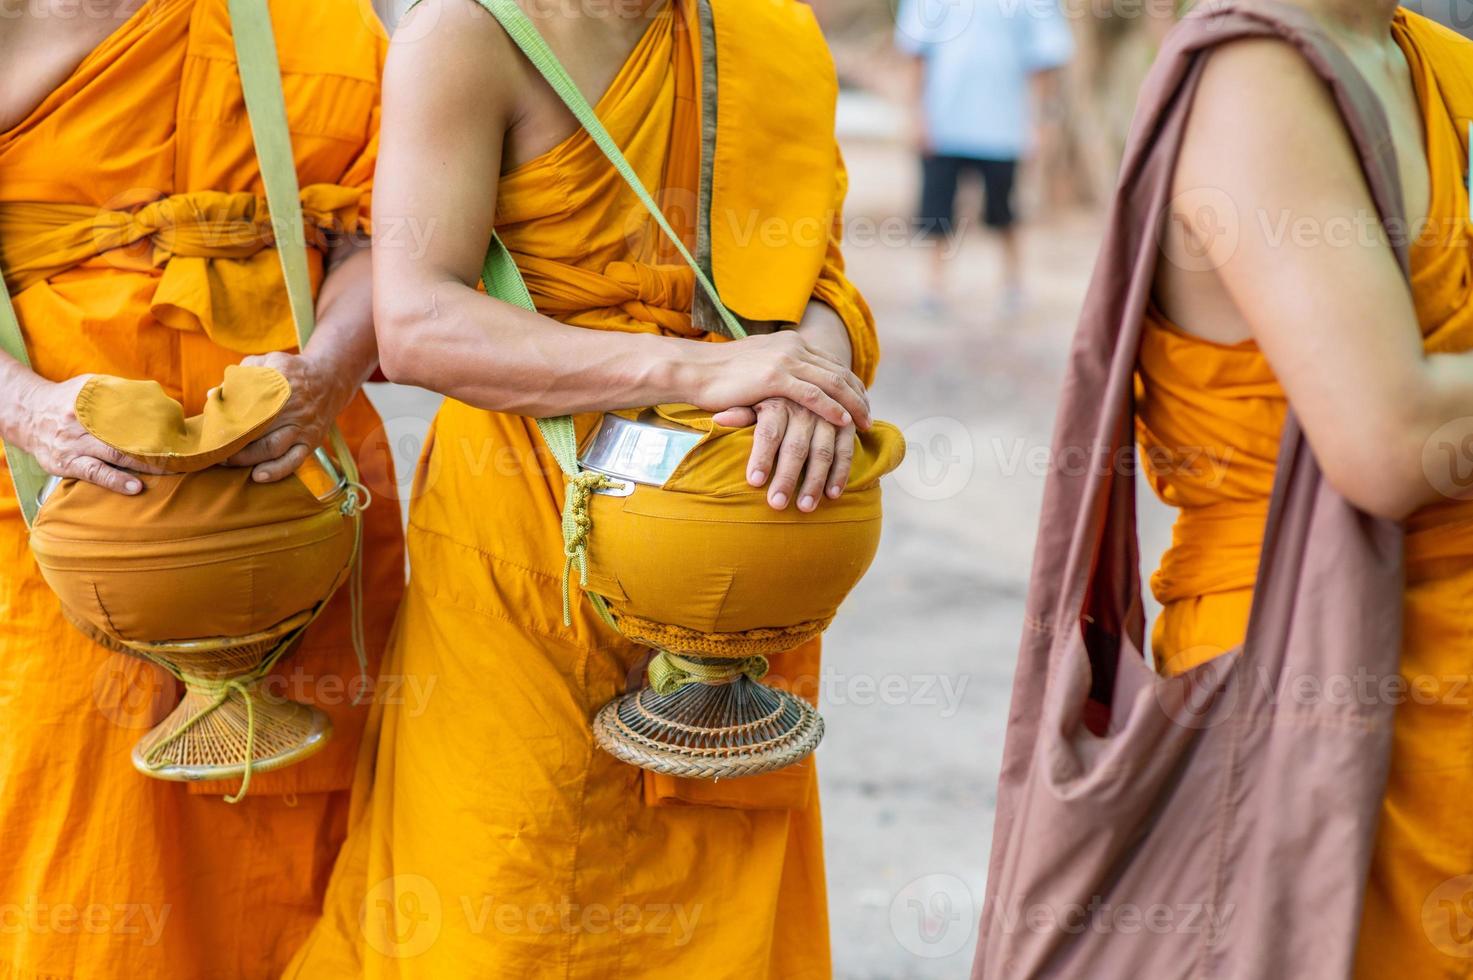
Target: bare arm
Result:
[[449, 100], [1329, 308]]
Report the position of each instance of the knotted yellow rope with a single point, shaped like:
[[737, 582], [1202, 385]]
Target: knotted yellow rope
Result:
[[355, 502], [577, 523], [221, 690], [669, 672]]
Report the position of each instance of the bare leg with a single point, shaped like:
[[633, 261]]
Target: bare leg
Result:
[[1014, 297]]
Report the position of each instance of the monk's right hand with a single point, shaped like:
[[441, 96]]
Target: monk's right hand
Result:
[[47, 427], [776, 365]]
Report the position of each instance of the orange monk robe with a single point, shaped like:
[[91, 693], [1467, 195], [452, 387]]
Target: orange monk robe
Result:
[[1209, 422], [106, 872], [491, 837]]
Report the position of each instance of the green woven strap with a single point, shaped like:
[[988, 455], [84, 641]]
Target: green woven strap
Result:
[[669, 672], [502, 279], [499, 272], [521, 30], [260, 81], [25, 472]]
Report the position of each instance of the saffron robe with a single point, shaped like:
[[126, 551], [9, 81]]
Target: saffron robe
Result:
[[1209, 421], [490, 836], [130, 206]]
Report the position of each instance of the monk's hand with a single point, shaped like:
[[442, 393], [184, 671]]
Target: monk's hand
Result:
[[47, 427], [318, 395], [781, 366], [806, 457]]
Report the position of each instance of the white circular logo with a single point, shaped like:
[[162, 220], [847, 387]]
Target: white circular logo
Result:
[[1201, 228], [401, 916], [933, 916], [129, 693], [1203, 699], [1447, 459], [940, 458], [1447, 917]]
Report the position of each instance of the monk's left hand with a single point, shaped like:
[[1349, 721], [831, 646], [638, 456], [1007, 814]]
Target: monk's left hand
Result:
[[792, 444], [317, 397]]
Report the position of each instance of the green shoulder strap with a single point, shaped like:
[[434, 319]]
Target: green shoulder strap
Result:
[[499, 272], [260, 77], [25, 472], [502, 280], [260, 82]]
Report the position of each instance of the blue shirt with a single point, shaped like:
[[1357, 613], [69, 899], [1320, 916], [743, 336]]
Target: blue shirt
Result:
[[978, 56]]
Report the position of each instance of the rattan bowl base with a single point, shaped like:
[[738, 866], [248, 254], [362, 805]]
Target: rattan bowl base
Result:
[[709, 731], [215, 746]]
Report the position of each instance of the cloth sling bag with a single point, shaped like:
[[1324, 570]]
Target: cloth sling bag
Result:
[[260, 76], [503, 281], [1245, 814]]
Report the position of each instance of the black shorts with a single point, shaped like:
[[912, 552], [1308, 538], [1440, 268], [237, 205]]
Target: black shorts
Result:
[[939, 176]]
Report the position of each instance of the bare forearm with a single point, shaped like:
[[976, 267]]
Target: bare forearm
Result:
[[496, 356], [1432, 434], [17, 385], [823, 330], [343, 344]]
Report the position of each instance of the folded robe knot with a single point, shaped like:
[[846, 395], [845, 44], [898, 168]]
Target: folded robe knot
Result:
[[213, 247]]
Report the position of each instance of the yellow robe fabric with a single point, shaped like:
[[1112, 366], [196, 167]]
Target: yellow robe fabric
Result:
[[1209, 421], [128, 200], [491, 838]]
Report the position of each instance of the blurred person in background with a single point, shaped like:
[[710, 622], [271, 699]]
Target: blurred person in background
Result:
[[986, 83]]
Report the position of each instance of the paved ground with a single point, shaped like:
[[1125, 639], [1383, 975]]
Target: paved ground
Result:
[[919, 663]]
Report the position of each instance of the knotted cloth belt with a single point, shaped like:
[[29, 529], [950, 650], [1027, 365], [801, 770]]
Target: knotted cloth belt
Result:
[[220, 273], [647, 292]]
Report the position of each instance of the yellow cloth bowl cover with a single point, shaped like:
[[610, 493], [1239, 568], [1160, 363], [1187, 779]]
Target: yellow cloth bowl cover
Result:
[[140, 419], [194, 556], [706, 555]]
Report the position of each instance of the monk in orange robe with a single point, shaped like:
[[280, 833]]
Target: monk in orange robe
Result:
[[490, 836], [135, 242], [1247, 323]]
